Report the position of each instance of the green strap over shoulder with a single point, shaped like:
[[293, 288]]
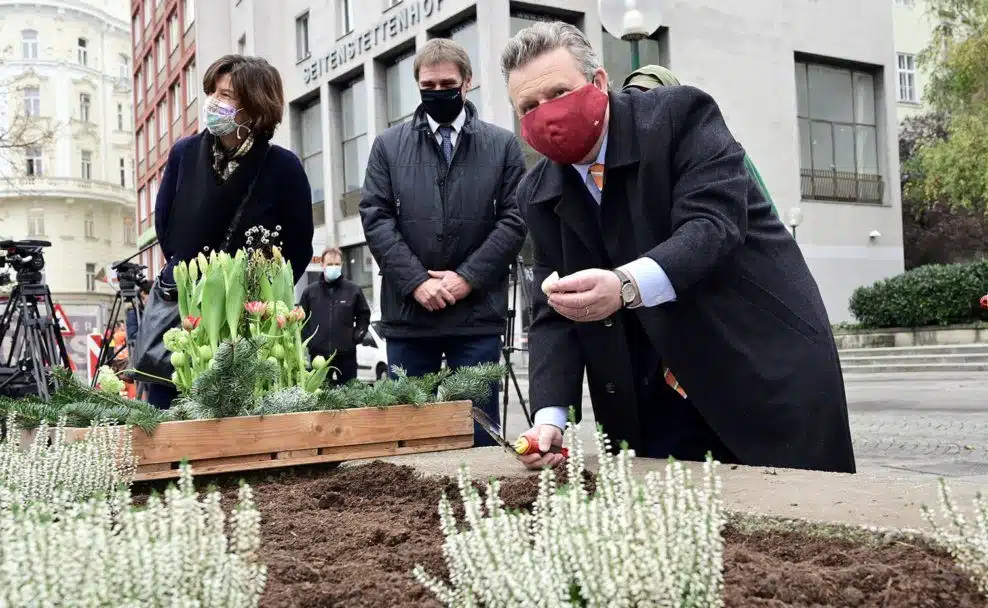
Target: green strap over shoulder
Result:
[[651, 76]]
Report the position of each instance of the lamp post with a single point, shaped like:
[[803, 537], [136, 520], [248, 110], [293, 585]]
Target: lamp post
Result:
[[795, 219], [631, 20]]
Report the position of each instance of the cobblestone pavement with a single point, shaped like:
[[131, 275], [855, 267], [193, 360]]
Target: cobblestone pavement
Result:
[[908, 424]]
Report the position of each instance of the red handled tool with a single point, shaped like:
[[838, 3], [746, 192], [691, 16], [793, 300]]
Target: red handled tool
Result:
[[523, 447]]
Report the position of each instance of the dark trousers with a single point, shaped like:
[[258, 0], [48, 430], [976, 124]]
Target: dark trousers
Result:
[[345, 365], [161, 395], [672, 426], [420, 356]]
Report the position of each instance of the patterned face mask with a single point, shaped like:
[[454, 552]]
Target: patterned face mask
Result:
[[221, 117]]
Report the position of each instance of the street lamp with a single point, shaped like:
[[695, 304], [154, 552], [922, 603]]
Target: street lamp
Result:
[[630, 20], [795, 219]]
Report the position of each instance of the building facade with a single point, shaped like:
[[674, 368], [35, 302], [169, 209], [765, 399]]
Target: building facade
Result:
[[166, 90], [67, 161], [913, 31], [810, 94]]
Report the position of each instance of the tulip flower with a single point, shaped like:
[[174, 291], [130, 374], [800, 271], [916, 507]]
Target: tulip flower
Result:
[[189, 323], [256, 309]]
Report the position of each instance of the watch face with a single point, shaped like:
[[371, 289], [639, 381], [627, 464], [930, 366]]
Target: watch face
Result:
[[628, 293]]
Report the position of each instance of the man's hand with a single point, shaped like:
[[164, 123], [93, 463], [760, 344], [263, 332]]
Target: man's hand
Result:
[[453, 283], [433, 296], [587, 295], [548, 436]]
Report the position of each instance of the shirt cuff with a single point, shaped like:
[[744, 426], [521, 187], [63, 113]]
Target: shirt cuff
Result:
[[653, 283], [554, 415]]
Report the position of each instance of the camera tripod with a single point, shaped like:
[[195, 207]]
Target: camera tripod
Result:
[[519, 276], [129, 294], [36, 344]]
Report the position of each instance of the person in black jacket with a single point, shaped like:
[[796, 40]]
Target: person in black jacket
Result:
[[439, 214], [338, 317], [208, 175]]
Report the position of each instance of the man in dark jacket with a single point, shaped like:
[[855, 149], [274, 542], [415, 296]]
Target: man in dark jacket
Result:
[[338, 316], [439, 214], [682, 295]]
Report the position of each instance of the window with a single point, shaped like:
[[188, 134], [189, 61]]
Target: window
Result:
[[148, 73], [173, 33], [29, 44], [140, 144], [129, 230], [302, 36], [907, 78], [310, 148], [35, 222], [163, 119], [152, 131], [838, 133], [124, 64], [87, 164], [467, 36], [355, 144], [403, 92], [90, 277], [85, 101], [191, 84], [152, 192], [33, 163], [135, 27], [32, 101], [82, 52], [242, 45], [133, 171], [147, 13], [120, 117], [139, 82], [177, 102], [345, 17], [358, 266], [189, 13], [89, 225], [161, 49], [142, 201]]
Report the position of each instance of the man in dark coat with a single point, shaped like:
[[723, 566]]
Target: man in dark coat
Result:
[[439, 214], [338, 316], [683, 296]]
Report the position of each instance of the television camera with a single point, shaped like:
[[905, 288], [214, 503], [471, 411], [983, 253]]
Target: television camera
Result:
[[25, 259]]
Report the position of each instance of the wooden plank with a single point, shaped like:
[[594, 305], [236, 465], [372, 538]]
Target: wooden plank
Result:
[[378, 450], [153, 468], [241, 436], [298, 453]]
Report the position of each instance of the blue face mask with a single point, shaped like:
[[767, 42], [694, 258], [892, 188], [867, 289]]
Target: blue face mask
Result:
[[332, 272]]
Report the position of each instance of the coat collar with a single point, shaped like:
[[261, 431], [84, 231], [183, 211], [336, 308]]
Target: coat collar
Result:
[[622, 150], [420, 122]]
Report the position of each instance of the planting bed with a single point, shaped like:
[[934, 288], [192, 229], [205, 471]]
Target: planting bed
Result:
[[350, 537]]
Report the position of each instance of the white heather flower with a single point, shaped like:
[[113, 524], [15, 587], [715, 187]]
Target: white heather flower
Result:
[[655, 542], [966, 541]]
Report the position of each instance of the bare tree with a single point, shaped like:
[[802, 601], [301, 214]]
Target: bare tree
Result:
[[22, 130]]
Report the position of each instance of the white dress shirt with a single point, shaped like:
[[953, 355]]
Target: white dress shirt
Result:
[[653, 285], [457, 125]]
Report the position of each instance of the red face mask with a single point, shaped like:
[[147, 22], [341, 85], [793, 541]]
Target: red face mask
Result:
[[566, 129]]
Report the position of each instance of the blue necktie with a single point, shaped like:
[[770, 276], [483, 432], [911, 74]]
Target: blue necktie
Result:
[[446, 132]]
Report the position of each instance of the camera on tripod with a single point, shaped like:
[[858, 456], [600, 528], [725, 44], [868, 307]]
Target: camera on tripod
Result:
[[25, 258], [131, 276]]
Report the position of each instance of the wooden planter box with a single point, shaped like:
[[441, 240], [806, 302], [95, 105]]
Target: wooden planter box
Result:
[[251, 443]]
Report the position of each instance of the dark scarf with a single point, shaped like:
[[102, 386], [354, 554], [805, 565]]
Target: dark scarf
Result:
[[205, 203]]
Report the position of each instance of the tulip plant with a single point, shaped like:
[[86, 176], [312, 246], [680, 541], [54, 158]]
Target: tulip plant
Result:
[[223, 298]]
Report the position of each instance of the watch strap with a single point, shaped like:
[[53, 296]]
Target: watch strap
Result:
[[626, 279]]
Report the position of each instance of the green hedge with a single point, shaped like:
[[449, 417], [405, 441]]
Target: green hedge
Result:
[[937, 294]]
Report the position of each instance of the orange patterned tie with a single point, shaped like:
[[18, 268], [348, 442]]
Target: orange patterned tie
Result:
[[597, 173], [671, 381]]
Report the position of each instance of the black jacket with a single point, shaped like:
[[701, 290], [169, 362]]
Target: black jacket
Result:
[[339, 317], [748, 336], [419, 215], [194, 208]]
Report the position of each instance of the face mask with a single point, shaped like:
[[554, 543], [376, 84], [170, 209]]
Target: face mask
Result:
[[567, 128], [332, 272], [221, 118], [443, 105]]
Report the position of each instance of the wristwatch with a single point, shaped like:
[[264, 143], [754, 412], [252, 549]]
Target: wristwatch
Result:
[[630, 297]]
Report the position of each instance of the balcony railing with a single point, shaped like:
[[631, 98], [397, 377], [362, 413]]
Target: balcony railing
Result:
[[67, 187], [841, 186]]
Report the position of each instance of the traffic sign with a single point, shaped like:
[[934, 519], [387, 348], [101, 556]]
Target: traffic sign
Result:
[[64, 324]]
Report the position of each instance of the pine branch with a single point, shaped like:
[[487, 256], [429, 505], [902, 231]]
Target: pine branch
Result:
[[227, 388], [471, 383]]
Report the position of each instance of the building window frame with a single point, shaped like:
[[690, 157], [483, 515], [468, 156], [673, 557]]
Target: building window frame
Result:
[[89, 225], [85, 106], [123, 172], [86, 164], [30, 45], [129, 230], [302, 51], [353, 140], [36, 223], [344, 17], [189, 13], [34, 161], [906, 72], [90, 277], [191, 86], [830, 183], [174, 36], [82, 52], [395, 78], [163, 121], [358, 258], [32, 101]]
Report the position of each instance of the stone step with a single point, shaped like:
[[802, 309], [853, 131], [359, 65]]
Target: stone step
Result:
[[953, 349], [949, 358], [906, 368]]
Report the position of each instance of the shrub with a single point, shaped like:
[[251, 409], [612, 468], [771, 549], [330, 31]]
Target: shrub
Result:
[[633, 543], [928, 295], [967, 541], [173, 552]]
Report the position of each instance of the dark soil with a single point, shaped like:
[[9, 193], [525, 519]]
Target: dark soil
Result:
[[350, 537]]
